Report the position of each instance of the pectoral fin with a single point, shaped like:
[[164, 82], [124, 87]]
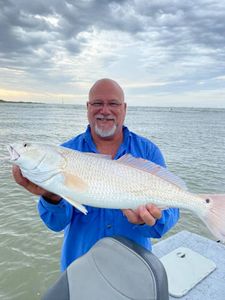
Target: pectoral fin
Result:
[[77, 186], [77, 205]]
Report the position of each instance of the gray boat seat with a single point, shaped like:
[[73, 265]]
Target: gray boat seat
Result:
[[113, 269]]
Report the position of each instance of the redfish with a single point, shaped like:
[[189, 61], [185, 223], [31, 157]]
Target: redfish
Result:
[[97, 180]]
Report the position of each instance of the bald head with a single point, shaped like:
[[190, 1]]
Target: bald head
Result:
[[106, 86]]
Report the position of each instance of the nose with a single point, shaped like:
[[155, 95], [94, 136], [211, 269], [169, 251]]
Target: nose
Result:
[[105, 110]]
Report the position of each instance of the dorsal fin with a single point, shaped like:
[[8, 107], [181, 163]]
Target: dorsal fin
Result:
[[154, 169]]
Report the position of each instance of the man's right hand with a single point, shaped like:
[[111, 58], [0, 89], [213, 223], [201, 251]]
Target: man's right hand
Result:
[[32, 187]]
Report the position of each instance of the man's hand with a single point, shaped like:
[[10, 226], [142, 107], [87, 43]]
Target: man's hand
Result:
[[144, 214], [31, 187]]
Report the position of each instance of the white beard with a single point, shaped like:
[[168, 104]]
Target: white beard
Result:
[[105, 133]]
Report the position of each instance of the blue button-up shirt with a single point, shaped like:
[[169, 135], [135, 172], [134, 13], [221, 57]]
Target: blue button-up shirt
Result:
[[81, 231]]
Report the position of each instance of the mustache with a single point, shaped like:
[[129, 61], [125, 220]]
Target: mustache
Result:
[[101, 116]]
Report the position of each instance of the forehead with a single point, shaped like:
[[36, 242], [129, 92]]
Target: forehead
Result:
[[106, 92]]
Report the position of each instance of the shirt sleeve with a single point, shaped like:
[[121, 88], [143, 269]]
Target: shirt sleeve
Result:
[[55, 216]]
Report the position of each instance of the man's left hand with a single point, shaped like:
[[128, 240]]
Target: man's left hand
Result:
[[144, 214]]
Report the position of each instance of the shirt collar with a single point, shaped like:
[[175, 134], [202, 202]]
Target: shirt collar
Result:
[[89, 140]]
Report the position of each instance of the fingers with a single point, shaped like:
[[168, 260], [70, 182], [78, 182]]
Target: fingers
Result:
[[18, 176], [147, 214], [132, 216], [154, 211], [34, 189]]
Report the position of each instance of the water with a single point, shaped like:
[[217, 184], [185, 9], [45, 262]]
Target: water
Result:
[[192, 141]]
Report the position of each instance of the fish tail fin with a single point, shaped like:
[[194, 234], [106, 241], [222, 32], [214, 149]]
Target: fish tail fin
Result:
[[214, 218]]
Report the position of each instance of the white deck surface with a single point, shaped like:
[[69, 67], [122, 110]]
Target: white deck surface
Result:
[[213, 286]]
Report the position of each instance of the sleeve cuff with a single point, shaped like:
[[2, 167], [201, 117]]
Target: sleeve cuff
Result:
[[168, 219], [53, 207], [147, 230]]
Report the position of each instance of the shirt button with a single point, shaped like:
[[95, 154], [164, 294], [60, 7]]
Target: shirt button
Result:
[[109, 226]]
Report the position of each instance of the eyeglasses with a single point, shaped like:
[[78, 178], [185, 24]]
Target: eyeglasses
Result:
[[100, 104]]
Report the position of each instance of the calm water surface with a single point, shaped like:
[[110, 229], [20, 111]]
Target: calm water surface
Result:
[[192, 141]]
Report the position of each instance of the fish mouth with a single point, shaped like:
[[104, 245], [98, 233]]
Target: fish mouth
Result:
[[14, 155]]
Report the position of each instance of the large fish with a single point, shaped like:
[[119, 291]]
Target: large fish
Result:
[[97, 180]]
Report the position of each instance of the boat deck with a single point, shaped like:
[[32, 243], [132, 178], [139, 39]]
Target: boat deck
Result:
[[211, 287]]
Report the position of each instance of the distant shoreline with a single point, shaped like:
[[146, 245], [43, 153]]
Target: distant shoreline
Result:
[[6, 101], [170, 108]]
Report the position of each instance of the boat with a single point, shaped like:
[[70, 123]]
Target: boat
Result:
[[184, 265]]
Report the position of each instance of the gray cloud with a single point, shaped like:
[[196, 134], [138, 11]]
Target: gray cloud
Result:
[[187, 36], [198, 22]]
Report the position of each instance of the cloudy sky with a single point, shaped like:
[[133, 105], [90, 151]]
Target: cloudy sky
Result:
[[162, 52]]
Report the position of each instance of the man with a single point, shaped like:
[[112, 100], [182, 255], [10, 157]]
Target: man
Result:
[[105, 134]]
